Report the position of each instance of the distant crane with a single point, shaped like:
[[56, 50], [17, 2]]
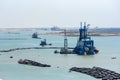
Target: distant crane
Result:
[[65, 49], [65, 42]]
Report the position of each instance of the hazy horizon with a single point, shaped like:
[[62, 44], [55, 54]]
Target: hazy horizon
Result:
[[61, 13]]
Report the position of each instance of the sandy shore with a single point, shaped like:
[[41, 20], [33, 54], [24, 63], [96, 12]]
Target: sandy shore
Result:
[[77, 34]]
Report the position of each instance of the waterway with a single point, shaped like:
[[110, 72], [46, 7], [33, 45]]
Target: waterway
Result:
[[60, 63]]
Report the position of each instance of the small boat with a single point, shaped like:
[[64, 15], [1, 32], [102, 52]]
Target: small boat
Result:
[[44, 43]]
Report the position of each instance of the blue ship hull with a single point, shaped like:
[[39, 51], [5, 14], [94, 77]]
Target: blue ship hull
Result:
[[85, 46]]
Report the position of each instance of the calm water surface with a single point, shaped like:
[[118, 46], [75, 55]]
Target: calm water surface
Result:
[[11, 70]]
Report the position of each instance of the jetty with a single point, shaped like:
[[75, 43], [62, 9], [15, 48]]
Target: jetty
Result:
[[15, 49], [97, 72], [32, 63]]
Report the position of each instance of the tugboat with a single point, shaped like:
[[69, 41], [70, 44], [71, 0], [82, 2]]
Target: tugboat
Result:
[[44, 43], [85, 45]]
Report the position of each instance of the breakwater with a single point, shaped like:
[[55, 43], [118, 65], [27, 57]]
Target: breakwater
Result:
[[32, 63], [14, 49], [98, 73]]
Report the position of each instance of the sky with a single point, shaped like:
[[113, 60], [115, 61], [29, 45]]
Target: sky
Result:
[[61, 13]]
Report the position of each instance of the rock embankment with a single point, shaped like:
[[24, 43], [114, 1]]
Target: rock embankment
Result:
[[98, 72], [15, 49], [32, 63]]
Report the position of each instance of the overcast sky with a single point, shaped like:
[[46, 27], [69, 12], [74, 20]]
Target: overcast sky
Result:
[[61, 13]]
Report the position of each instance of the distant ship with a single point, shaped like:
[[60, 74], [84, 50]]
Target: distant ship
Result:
[[35, 35], [44, 43]]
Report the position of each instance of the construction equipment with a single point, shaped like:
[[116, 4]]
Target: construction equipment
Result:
[[85, 46]]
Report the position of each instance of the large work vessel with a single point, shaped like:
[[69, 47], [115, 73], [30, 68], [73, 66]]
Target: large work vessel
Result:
[[85, 45]]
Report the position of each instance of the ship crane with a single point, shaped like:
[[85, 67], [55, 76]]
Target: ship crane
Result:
[[65, 50]]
